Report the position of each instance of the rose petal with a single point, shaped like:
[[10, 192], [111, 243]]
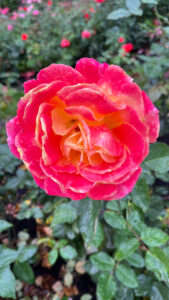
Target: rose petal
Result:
[[118, 86], [151, 118], [136, 145], [12, 128], [91, 69], [60, 72], [92, 99]]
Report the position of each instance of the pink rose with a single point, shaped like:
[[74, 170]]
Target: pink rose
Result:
[[85, 34], [10, 27], [84, 131], [4, 11], [35, 12], [65, 43]]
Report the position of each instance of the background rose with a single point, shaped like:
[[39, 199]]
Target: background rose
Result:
[[84, 131]]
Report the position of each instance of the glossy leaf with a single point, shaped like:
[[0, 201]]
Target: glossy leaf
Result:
[[145, 284], [52, 256], [135, 260], [102, 261], [7, 283], [106, 287], [24, 272], [114, 220], [158, 158], [88, 219], [26, 253], [126, 276], [126, 248], [157, 262], [4, 225], [118, 14], [68, 252], [159, 292], [140, 194], [154, 237], [64, 213], [7, 256]]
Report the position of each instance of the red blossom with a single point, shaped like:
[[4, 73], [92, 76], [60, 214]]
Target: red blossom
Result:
[[127, 47], [99, 1], [83, 132], [86, 16], [121, 39], [156, 22], [92, 10], [49, 2], [85, 34], [65, 43], [24, 36]]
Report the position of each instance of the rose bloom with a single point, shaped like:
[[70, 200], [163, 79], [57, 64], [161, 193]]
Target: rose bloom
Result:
[[21, 15], [85, 34], [35, 12], [49, 3], [92, 10], [99, 1], [24, 36], [84, 131], [4, 11], [121, 39], [127, 47], [10, 27], [86, 16], [64, 43]]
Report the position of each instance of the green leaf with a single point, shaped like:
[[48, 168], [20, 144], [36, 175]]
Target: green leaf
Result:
[[8, 162], [121, 236], [102, 261], [150, 1], [24, 272], [133, 7], [68, 252], [26, 253], [88, 219], [106, 287], [126, 276], [36, 213], [97, 239], [157, 262], [158, 158], [113, 205], [135, 220], [140, 194], [126, 248], [154, 237], [64, 213], [156, 208], [118, 14], [133, 4], [123, 293], [7, 283], [52, 256], [7, 256], [145, 284], [159, 292], [115, 220], [135, 260], [4, 225]]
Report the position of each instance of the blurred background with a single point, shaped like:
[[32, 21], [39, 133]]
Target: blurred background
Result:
[[133, 34]]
